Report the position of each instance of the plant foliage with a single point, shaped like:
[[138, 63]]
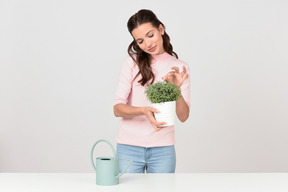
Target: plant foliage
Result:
[[161, 92]]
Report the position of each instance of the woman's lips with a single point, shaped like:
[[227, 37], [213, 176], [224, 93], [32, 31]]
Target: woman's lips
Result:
[[152, 49]]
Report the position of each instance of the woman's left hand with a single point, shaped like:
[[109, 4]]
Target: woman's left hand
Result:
[[175, 77]]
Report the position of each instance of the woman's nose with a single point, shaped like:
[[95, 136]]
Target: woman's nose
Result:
[[148, 43]]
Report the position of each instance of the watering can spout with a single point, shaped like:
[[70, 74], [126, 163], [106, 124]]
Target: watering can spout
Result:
[[120, 174]]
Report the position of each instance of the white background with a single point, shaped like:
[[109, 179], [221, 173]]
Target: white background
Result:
[[59, 66]]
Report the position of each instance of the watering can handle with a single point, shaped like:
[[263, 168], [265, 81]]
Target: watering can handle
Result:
[[102, 140]]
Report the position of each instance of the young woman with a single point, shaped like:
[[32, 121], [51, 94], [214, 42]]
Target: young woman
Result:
[[151, 59]]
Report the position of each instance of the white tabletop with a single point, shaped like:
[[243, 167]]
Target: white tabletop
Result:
[[192, 182]]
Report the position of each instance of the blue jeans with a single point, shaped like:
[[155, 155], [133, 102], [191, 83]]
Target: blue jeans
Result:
[[151, 160]]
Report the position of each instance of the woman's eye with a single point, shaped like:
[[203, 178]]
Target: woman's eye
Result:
[[140, 42], [151, 35]]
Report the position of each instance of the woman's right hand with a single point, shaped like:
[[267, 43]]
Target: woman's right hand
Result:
[[149, 113]]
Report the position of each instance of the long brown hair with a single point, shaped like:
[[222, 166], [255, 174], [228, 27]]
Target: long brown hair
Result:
[[143, 59]]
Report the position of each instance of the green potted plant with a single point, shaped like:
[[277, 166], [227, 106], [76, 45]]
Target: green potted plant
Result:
[[163, 96]]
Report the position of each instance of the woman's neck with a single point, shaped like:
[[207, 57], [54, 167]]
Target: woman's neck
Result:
[[159, 57]]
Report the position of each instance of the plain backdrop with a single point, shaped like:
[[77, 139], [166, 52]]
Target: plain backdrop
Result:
[[59, 66]]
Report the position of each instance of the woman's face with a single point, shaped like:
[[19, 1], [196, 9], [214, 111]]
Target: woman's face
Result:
[[149, 38]]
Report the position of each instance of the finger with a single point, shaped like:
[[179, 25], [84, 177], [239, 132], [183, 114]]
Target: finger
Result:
[[183, 79], [156, 128], [184, 71], [153, 120], [169, 79], [176, 69], [185, 76], [154, 110], [161, 123], [159, 128], [171, 73]]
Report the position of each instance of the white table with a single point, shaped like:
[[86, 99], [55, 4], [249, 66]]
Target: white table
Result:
[[192, 182]]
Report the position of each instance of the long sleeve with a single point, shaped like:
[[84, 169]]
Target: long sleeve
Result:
[[124, 82]]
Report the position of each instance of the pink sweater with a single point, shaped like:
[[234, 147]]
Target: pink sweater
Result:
[[138, 130]]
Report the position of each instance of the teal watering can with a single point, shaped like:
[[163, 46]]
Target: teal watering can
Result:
[[107, 168]]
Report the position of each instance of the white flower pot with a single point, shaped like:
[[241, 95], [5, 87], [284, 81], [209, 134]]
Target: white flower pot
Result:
[[166, 113]]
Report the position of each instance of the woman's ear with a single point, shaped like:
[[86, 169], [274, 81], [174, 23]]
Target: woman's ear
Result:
[[161, 29]]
